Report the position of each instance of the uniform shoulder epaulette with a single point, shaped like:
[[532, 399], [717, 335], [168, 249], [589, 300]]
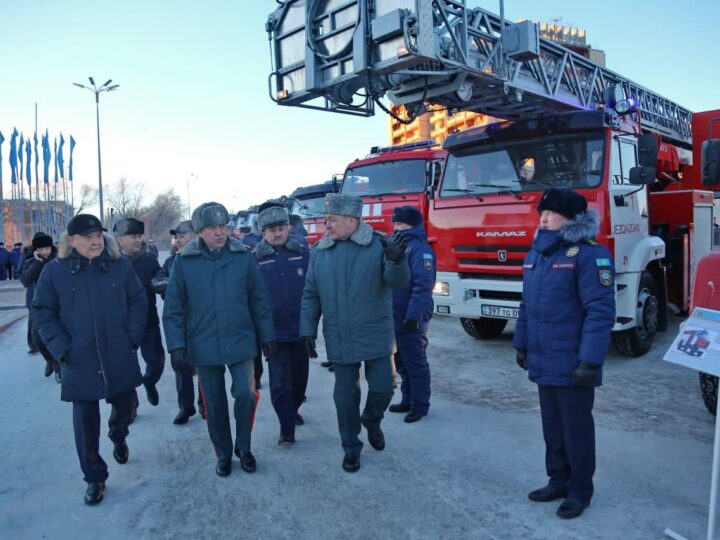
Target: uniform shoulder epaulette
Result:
[[591, 241]]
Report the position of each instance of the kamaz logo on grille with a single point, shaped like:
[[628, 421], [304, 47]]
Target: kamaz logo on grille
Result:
[[501, 234], [502, 255]]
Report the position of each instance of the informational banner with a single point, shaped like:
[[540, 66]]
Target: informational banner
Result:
[[697, 344]]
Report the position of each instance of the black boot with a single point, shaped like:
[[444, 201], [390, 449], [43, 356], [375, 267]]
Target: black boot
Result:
[[547, 494], [286, 440], [121, 452], [351, 463], [152, 394], [182, 417], [414, 416], [223, 467], [399, 407], [247, 460], [376, 438], [94, 493], [571, 508], [299, 420]]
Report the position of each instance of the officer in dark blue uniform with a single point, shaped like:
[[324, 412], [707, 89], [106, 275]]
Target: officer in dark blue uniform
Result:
[[566, 316], [412, 310], [129, 233], [283, 263]]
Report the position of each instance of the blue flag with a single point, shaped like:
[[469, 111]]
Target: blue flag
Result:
[[46, 157], [28, 163], [72, 147], [13, 156], [60, 159], [20, 150], [37, 160], [55, 160], [2, 140]]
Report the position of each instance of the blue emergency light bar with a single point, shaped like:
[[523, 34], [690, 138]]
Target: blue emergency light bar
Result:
[[410, 146]]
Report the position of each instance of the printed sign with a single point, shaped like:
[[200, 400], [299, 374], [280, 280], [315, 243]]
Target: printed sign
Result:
[[697, 344]]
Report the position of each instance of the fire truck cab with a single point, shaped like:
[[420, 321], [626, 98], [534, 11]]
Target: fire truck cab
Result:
[[309, 203]]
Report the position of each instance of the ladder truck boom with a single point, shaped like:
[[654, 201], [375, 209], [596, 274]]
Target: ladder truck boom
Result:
[[343, 56]]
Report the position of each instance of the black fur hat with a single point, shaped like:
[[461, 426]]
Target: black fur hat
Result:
[[564, 201], [126, 226], [407, 214], [42, 240]]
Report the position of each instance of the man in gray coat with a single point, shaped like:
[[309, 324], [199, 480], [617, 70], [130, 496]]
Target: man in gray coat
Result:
[[352, 272]]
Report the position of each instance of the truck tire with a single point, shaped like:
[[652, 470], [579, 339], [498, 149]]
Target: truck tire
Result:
[[637, 341], [709, 391], [484, 327]]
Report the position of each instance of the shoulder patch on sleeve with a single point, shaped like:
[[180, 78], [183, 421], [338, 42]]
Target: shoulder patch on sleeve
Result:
[[605, 276]]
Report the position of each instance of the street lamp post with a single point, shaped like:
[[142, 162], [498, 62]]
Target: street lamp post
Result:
[[97, 91]]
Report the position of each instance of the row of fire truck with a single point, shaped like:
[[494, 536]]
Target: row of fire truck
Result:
[[643, 162]]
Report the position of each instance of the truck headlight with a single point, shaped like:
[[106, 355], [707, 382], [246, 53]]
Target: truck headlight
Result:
[[442, 288]]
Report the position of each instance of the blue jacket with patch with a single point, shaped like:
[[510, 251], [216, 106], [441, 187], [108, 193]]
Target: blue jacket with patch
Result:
[[568, 308], [414, 301], [283, 270]]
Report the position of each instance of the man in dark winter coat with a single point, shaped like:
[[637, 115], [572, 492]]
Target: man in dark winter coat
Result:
[[90, 310], [129, 234], [4, 262], [350, 277], [43, 252], [283, 263], [216, 309], [412, 310], [182, 234], [563, 330], [15, 256]]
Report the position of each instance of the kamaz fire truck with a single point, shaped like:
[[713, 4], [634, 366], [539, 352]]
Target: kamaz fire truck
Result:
[[308, 203], [632, 153]]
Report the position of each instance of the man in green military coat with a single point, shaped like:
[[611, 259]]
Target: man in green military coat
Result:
[[352, 272], [216, 308]]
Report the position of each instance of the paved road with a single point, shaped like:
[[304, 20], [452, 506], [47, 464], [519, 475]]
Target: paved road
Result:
[[462, 472]]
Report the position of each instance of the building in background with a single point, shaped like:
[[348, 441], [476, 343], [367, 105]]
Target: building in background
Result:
[[24, 218]]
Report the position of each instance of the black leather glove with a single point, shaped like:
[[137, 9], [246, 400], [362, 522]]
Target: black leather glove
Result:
[[585, 374], [410, 325], [310, 347], [268, 348], [179, 359], [395, 250], [521, 358]]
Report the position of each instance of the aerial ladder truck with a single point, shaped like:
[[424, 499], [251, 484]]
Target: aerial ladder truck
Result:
[[643, 162]]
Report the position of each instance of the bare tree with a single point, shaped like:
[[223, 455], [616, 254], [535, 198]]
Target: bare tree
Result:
[[88, 197], [166, 210], [125, 198]]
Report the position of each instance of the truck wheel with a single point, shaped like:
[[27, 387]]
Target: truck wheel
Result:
[[637, 341], [709, 391], [484, 327]]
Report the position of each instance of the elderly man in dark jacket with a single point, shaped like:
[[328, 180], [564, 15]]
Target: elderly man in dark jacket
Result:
[[562, 335], [412, 310], [283, 263], [129, 234], [90, 310], [216, 309], [350, 279]]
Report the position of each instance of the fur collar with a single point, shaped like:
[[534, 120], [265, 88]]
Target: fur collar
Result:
[[65, 250], [263, 249], [195, 247], [583, 227], [362, 236]]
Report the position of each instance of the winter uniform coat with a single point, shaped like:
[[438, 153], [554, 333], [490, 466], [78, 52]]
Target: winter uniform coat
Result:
[[216, 305], [146, 266], [283, 270], [31, 273], [92, 313], [349, 283], [414, 302], [568, 307]]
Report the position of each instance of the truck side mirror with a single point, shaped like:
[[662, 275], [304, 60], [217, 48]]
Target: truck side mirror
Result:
[[642, 176], [647, 150], [710, 162]]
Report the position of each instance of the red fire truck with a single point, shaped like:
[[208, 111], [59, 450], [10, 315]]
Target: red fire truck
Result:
[[309, 203], [632, 153]]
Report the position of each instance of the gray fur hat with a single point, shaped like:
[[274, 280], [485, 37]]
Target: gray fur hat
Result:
[[209, 214], [128, 225], [343, 205], [272, 216]]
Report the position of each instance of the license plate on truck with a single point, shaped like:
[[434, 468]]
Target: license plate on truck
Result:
[[500, 312]]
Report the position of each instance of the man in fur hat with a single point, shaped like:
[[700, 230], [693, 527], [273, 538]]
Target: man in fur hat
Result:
[[283, 263], [349, 283], [129, 234], [216, 309], [563, 330], [90, 311]]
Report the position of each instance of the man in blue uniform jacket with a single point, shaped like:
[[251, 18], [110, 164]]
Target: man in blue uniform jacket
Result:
[[283, 263], [563, 330], [412, 310]]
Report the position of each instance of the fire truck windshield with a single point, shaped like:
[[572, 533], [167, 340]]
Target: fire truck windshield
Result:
[[386, 177], [312, 207], [528, 164]]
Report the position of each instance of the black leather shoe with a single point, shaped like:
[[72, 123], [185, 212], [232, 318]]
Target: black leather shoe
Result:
[[376, 438], [247, 460], [121, 452], [223, 467], [152, 394], [94, 493], [414, 416], [182, 417], [49, 368], [570, 508], [299, 420], [325, 364], [286, 440], [547, 494], [399, 407], [351, 463]]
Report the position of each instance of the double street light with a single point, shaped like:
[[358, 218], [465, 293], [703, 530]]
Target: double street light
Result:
[[105, 87]]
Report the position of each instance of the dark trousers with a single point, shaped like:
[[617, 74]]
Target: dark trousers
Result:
[[153, 354], [185, 389], [378, 373], [288, 369], [259, 369], [569, 432], [86, 423], [212, 379], [412, 365], [31, 344]]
